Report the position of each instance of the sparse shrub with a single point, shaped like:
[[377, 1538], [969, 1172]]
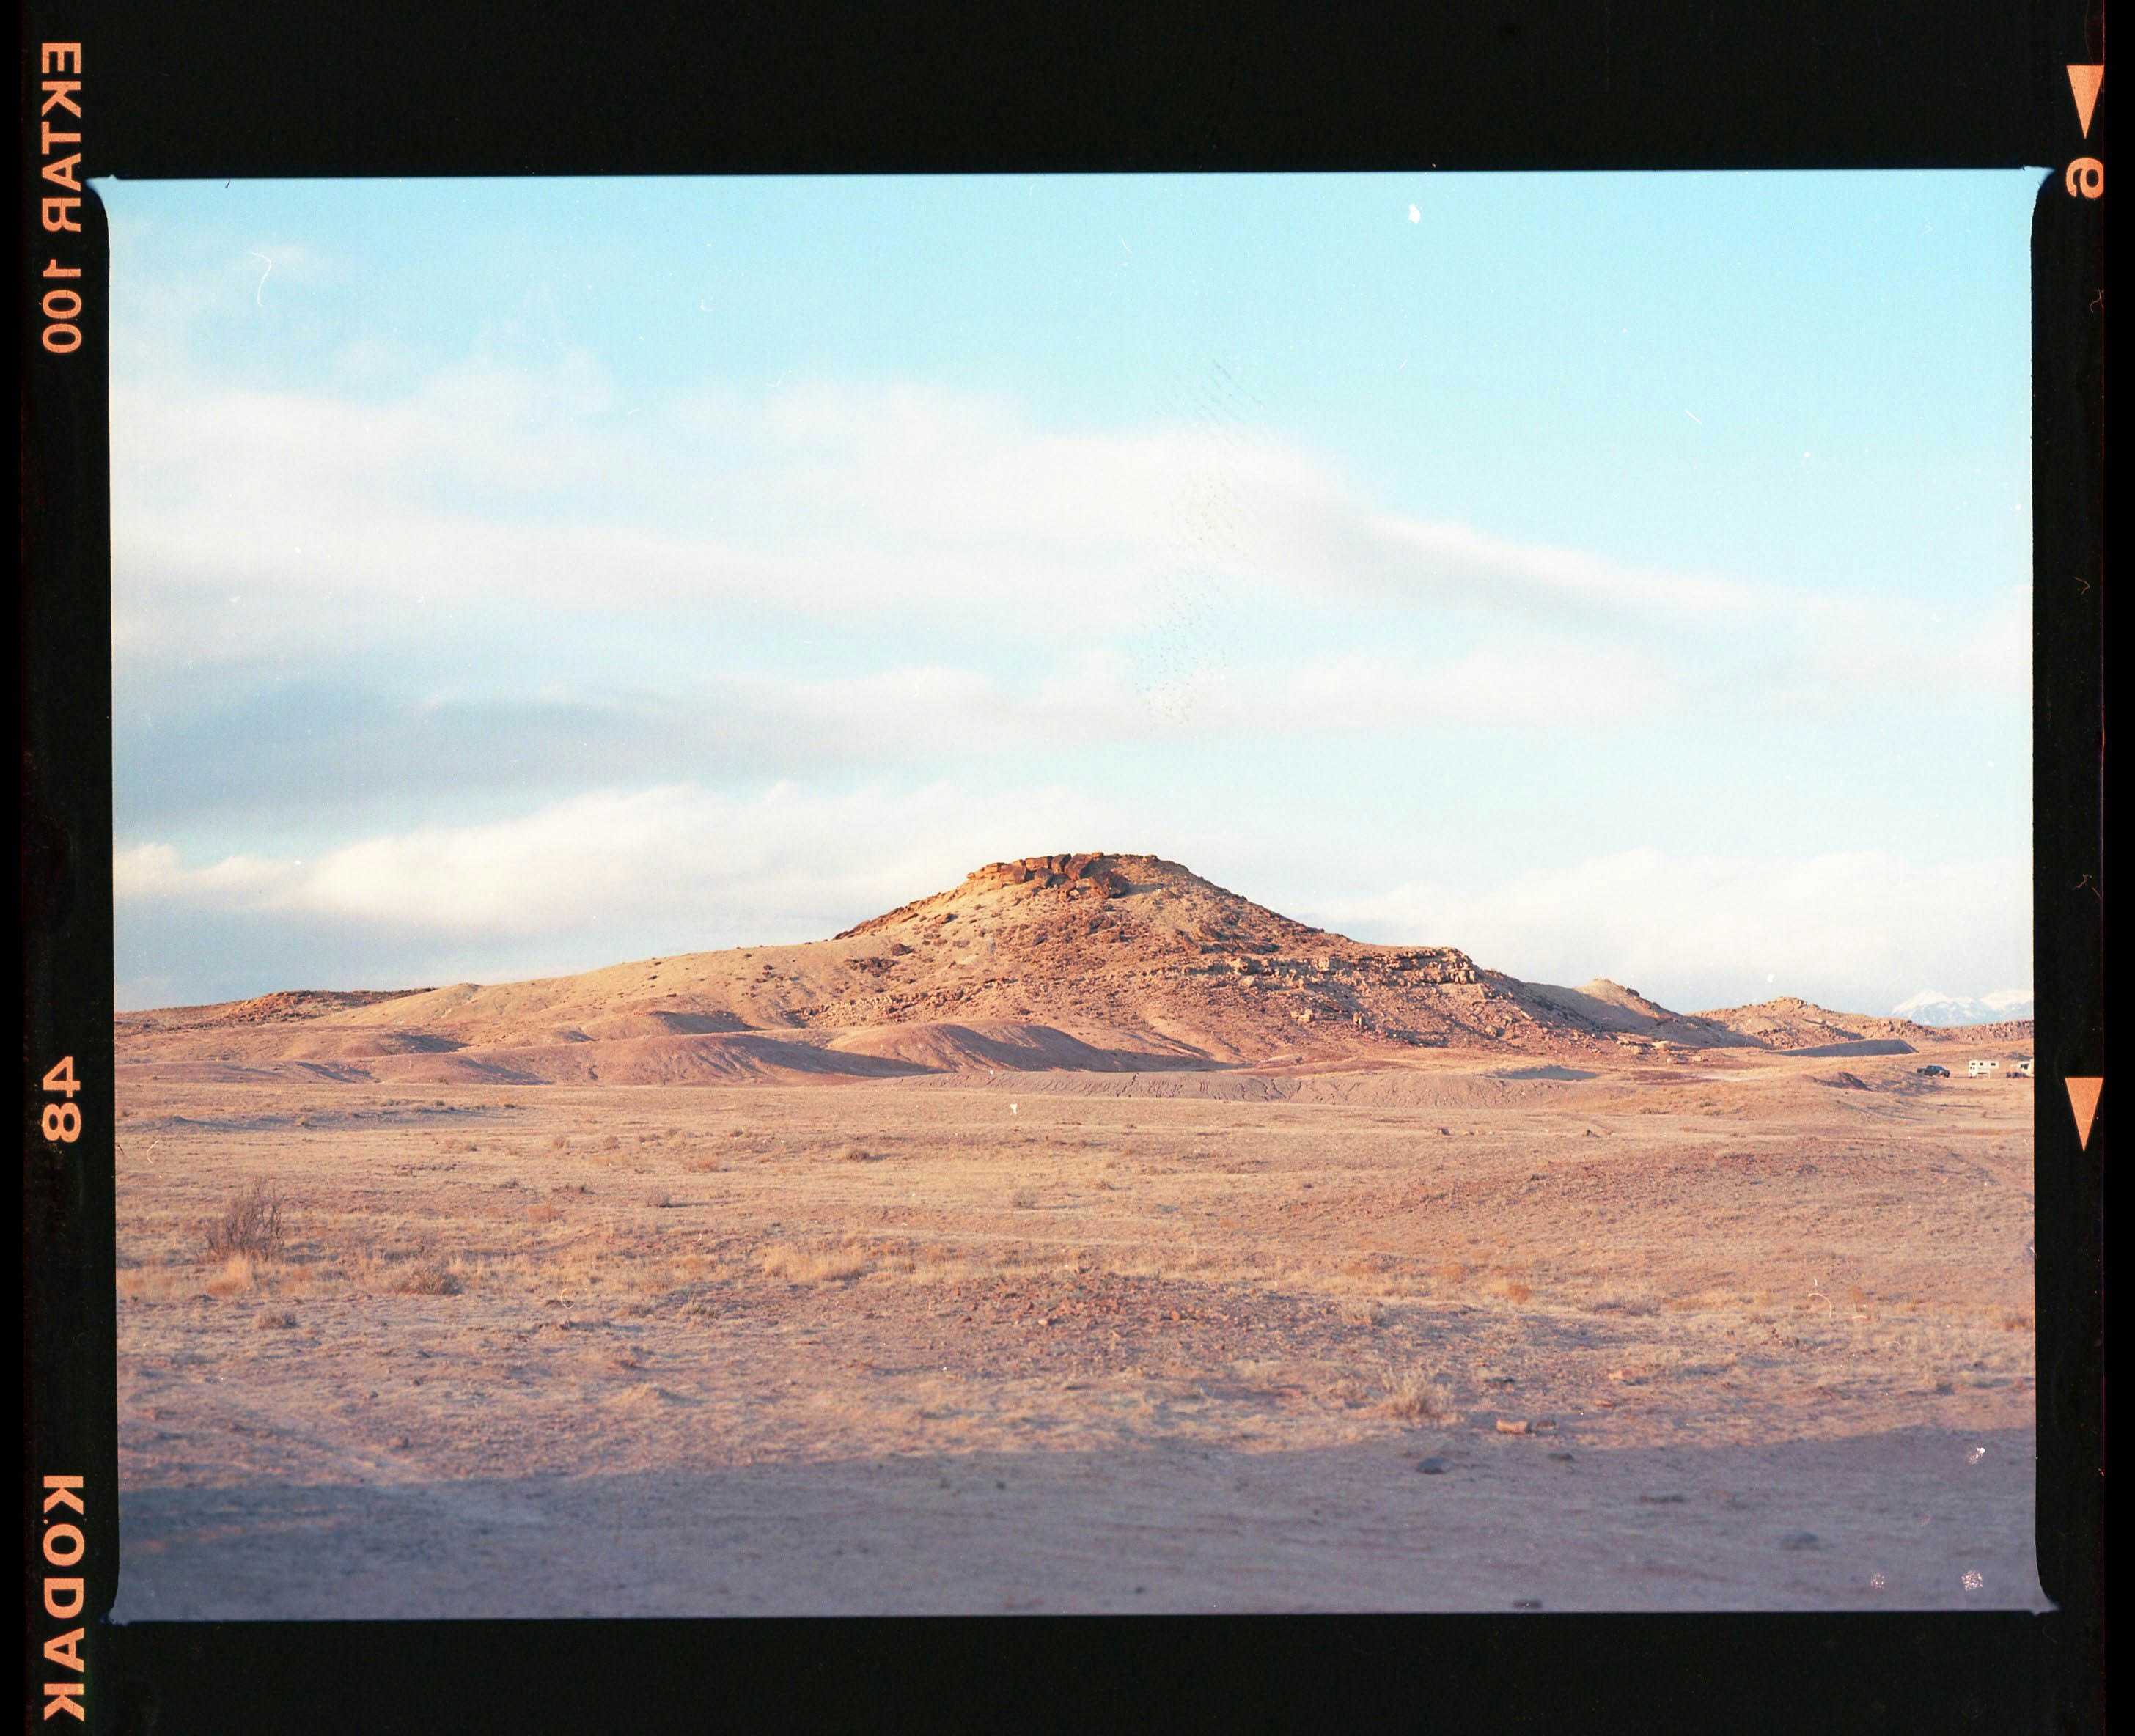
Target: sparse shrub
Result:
[[1361, 1312], [542, 1212], [427, 1278], [250, 1227], [659, 1199], [1415, 1398], [1023, 1199], [1517, 1292], [856, 1154], [272, 1320], [1452, 1271]]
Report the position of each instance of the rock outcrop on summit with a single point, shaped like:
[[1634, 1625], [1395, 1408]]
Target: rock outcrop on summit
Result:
[[1088, 962]]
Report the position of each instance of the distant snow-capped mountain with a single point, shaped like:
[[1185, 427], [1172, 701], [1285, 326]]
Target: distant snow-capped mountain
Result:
[[1932, 1006]]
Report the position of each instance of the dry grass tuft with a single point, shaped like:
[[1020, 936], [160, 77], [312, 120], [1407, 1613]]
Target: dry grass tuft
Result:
[[1415, 1398], [270, 1320], [233, 1280], [146, 1284], [800, 1265], [428, 1278], [250, 1227]]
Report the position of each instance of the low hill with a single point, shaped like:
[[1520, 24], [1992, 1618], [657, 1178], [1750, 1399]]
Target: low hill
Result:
[[1791, 1023], [1092, 962]]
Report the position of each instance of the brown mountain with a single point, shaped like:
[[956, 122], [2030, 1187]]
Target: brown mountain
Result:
[[1791, 1023], [1095, 961]]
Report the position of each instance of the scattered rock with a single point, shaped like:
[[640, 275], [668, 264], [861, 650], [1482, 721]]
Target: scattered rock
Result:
[[1506, 1426], [1800, 1540], [1433, 1466], [1664, 1500]]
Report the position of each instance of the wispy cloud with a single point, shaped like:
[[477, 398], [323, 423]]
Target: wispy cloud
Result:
[[245, 519], [708, 868], [1853, 928]]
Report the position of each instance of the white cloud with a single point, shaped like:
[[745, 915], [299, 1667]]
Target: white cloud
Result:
[[1843, 647], [1849, 930], [709, 869], [1542, 683], [916, 708], [245, 519]]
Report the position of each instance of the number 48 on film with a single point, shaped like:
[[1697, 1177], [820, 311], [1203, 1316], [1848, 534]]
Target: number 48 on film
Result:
[[62, 1124]]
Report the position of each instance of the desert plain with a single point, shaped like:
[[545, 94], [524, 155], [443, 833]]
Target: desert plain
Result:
[[1085, 1238]]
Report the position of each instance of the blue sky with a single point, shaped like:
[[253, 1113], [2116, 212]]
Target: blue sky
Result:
[[1618, 575]]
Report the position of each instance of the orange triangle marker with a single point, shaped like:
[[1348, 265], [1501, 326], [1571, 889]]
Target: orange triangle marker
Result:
[[2082, 1099], [2083, 81]]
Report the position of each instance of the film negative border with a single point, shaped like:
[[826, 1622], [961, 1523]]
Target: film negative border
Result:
[[201, 90]]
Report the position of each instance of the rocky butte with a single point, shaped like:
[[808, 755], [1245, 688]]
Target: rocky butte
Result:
[[1089, 961]]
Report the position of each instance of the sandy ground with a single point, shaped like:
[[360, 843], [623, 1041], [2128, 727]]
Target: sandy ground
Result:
[[1428, 1338]]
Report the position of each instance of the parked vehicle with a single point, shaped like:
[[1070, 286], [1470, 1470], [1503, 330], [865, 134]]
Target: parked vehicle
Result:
[[1933, 1072]]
